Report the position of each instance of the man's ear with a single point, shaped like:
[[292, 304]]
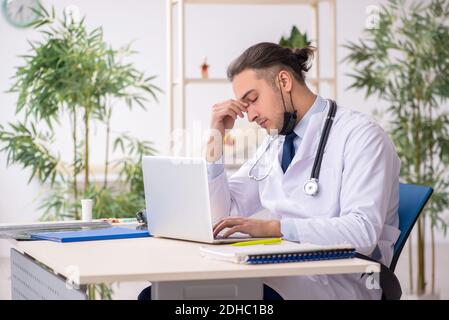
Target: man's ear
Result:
[[285, 80]]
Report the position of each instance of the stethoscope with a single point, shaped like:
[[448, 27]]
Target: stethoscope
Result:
[[311, 186]]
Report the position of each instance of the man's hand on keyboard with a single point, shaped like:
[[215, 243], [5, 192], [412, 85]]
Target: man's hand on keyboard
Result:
[[253, 227]]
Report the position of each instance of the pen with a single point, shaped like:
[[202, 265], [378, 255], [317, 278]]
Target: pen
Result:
[[254, 242]]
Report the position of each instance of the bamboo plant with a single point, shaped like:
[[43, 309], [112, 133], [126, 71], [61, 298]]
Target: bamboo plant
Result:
[[73, 71], [404, 61]]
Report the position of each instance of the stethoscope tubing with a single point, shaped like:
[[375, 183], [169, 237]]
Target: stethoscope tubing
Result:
[[320, 150], [324, 137]]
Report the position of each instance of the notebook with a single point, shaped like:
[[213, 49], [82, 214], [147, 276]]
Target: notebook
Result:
[[277, 253], [90, 235]]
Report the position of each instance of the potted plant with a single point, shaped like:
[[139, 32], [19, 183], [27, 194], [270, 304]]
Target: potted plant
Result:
[[296, 40], [72, 71], [404, 61]]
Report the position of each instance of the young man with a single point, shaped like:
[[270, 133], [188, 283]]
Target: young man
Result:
[[357, 199]]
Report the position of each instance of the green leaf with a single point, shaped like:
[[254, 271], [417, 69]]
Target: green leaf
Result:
[[296, 40]]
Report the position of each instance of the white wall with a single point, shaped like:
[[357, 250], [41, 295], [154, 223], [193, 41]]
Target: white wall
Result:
[[218, 32], [123, 22]]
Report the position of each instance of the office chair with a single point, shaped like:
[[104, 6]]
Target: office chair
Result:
[[412, 199]]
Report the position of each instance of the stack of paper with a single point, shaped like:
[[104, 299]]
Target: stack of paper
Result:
[[23, 231]]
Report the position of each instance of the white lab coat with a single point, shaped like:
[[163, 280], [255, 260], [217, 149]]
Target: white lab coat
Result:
[[357, 201]]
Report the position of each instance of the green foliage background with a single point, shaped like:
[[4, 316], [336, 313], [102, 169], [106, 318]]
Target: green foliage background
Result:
[[73, 71], [404, 60]]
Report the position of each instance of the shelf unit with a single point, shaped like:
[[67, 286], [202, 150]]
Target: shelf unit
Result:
[[178, 84]]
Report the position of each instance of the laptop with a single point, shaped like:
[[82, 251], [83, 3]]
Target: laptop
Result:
[[177, 200]]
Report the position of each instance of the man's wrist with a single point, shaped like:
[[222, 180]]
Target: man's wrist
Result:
[[275, 228], [214, 146], [214, 169]]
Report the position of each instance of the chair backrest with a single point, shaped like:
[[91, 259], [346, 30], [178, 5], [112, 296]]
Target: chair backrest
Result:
[[412, 199]]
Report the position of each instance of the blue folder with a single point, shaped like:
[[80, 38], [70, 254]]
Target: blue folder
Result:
[[90, 235]]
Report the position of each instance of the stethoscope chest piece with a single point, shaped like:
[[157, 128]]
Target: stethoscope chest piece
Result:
[[311, 187]]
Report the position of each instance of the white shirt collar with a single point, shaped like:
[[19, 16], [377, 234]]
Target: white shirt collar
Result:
[[318, 106]]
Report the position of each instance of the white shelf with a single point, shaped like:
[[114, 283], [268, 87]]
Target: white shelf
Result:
[[251, 2], [179, 83], [188, 81], [204, 81]]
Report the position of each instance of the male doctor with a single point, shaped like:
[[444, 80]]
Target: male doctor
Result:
[[358, 186]]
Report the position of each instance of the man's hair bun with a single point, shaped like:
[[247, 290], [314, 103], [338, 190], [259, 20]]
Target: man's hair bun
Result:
[[305, 56]]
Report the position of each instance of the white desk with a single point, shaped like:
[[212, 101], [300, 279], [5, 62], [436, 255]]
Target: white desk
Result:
[[171, 265]]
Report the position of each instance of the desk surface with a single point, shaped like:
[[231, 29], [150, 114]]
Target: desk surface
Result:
[[157, 259]]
